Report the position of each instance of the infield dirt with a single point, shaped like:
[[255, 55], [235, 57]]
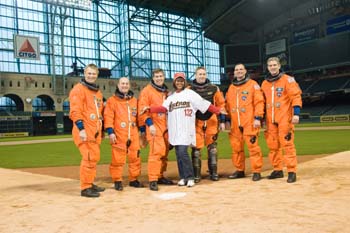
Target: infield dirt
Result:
[[318, 202]]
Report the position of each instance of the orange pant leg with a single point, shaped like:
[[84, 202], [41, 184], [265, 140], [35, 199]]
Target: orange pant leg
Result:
[[210, 139], [209, 136], [199, 137], [275, 150], [255, 154], [157, 153], [90, 153], [117, 163], [134, 164], [237, 144], [164, 157], [286, 138], [203, 140]]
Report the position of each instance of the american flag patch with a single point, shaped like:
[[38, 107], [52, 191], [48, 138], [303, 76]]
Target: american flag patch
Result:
[[291, 80]]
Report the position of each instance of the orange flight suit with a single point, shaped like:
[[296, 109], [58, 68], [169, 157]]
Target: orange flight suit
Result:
[[281, 96], [207, 125], [210, 135], [243, 103], [121, 115], [87, 105], [159, 144]]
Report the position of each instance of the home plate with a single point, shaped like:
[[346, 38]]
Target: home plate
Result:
[[169, 196]]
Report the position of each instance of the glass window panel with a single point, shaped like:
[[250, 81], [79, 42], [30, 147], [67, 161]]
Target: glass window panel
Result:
[[165, 46]]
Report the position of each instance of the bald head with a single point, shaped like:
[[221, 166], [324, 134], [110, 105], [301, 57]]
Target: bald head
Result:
[[124, 85]]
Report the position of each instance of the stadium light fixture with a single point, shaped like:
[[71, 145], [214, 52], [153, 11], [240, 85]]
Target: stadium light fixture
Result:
[[75, 4]]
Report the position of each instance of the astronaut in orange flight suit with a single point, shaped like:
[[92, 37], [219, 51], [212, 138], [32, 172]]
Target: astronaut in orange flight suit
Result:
[[120, 121], [245, 106], [156, 129], [207, 125], [86, 107], [283, 102]]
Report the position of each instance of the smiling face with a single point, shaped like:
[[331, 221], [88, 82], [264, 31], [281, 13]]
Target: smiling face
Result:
[[201, 75], [240, 72], [124, 85], [90, 75], [180, 83], [158, 78], [274, 67]]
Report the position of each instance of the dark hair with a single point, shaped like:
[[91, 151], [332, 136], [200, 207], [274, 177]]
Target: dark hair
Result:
[[158, 70]]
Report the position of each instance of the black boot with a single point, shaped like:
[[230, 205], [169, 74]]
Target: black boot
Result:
[[237, 175], [275, 174], [97, 188], [256, 176], [165, 181], [118, 185], [292, 177], [136, 184], [197, 164], [153, 185], [89, 192]]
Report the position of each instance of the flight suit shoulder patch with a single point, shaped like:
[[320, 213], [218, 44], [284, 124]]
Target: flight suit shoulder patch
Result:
[[291, 80]]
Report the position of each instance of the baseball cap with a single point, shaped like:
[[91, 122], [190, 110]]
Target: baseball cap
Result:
[[179, 75]]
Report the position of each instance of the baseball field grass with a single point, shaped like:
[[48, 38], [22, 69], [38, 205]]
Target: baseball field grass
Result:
[[311, 142]]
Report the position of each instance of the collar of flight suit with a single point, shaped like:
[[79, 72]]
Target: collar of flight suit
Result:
[[162, 88], [90, 86], [246, 78], [126, 96]]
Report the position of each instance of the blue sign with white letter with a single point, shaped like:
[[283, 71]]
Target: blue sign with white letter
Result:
[[305, 34], [339, 24]]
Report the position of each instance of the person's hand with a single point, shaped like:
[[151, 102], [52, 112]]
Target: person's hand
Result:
[[152, 130], [295, 119], [83, 135], [222, 127], [112, 138], [257, 123], [146, 108]]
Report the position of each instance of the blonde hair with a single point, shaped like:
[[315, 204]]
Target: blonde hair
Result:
[[276, 59], [91, 66], [200, 68]]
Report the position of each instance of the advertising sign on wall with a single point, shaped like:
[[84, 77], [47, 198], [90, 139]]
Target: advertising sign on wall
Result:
[[339, 24], [26, 47], [306, 34], [275, 47]]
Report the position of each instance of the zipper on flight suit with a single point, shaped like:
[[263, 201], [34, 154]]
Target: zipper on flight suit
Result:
[[128, 142], [99, 119], [237, 110], [273, 102]]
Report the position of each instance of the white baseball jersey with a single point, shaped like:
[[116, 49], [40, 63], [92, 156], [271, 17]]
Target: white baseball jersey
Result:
[[182, 107]]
